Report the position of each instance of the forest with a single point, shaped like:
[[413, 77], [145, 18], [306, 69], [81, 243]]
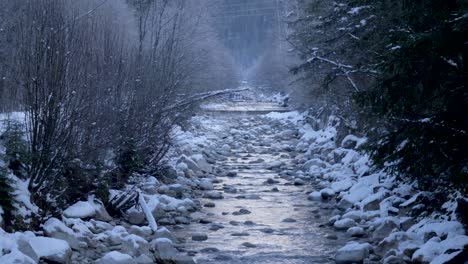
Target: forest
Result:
[[233, 131]]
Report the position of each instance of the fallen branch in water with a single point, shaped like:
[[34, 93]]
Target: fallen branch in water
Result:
[[201, 97]]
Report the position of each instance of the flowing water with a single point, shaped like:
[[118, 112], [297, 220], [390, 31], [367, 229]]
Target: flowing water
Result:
[[280, 224]]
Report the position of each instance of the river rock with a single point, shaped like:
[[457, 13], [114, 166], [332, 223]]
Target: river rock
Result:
[[163, 232], [199, 237], [209, 205], [166, 253], [299, 182], [213, 195], [134, 245], [384, 229], [248, 245], [135, 217]]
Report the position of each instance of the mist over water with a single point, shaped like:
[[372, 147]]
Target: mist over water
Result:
[[247, 28]]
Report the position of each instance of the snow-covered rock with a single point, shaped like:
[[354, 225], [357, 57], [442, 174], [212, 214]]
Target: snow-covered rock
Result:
[[213, 195], [88, 209], [274, 165], [352, 253], [436, 251], [17, 257], [327, 193], [56, 229], [362, 189], [51, 249], [342, 185], [135, 245], [206, 184], [315, 196], [80, 210], [165, 233], [201, 162], [190, 163], [384, 229], [115, 257], [314, 162], [356, 231], [344, 224], [166, 253]]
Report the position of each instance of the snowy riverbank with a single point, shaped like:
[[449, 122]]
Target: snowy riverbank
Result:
[[373, 208], [219, 166]]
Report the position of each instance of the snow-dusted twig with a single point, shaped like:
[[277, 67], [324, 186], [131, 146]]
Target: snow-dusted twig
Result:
[[346, 69], [353, 36], [428, 120]]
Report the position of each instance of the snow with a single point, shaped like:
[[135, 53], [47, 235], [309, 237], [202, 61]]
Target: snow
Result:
[[449, 228], [352, 253], [344, 223], [362, 189], [80, 210], [359, 141], [286, 117], [22, 197], [342, 185], [327, 192], [435, 250], [53, 225], [356, 10], [47, 247]]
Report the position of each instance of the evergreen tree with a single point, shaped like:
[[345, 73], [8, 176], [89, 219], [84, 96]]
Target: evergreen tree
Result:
[[420, 99], [397, 68], [6, 199]]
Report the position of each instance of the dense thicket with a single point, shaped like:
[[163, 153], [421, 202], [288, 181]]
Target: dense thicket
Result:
[[100, 83], [397, 69]]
